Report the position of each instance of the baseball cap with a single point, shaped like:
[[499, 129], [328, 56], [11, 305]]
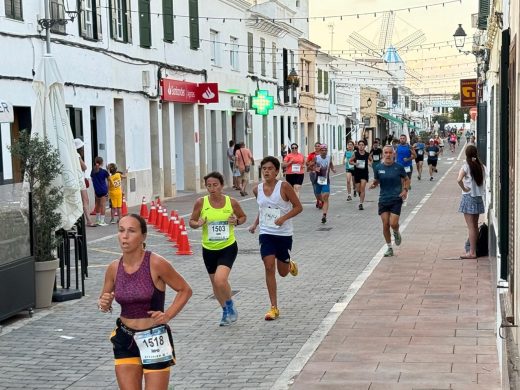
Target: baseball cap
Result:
[[78, 143]]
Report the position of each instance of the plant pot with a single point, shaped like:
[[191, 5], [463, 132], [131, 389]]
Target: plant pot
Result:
[[44, 282]]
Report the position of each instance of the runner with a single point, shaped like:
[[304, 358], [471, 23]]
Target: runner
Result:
[[440, 143], [277, 203], [361, 159], [405, 156], [349, 169], [433, 152], [452, 141], [393, 180], [293, 162], [312, 173], [218, 214], [323, 164], [376, 153], [419, 151]]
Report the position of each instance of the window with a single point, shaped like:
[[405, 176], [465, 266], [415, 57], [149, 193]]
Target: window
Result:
[[233, 53], [320, 77], [262, 56], [90, 19], [325, 82], [168, 20], [120, 20], [145, 30], [57, 12], [291, 54], [194, 24], [214, 47], [250, 58], [273, 59], [13, 9]]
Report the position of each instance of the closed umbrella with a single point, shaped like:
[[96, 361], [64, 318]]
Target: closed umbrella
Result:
[[50, 120]]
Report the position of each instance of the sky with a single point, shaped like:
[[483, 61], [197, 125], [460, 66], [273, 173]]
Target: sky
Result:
[[438, 23]]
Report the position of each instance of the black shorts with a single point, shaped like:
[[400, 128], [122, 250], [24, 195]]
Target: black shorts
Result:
[[360, 174], [392, 207], [279, 246], [127, 352], [98, 195], [294, 179], [432, 162], [419, 159], [214, 258], [349, 170]]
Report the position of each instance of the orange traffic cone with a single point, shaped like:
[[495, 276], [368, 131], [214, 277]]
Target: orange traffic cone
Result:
[[158, 220], [124, 208], [170, 224], [184, 245], [165, 223], [144, 209], [175, 232], [153, 214], [182, 228]]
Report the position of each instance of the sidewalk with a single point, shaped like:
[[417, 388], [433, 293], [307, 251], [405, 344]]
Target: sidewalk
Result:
[[422, 320]]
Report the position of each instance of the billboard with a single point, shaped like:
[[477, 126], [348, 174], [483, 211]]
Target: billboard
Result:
[[468, 92]]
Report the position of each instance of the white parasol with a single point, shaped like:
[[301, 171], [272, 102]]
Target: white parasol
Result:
[[50, 120]]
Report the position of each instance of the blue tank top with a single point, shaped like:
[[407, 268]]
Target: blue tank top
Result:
[[403, 151]]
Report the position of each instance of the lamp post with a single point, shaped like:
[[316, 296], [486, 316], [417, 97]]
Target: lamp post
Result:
[[460, 38]]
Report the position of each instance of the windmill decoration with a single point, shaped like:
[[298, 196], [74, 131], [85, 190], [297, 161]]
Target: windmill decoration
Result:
[[386, 49]]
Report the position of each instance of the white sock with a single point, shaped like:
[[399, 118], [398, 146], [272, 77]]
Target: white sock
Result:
[[389, 244]]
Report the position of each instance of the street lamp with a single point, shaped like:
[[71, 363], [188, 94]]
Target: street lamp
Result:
[[459, 37], [369, 102]]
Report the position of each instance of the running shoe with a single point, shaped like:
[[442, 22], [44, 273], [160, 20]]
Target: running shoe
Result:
[[102, 223], [272, 314], [293, 268], [361, 206], [397, 238], [355, 194], [418, 177], [431, 178], [324, 219], [225, 321], [232, 312], [349, 198], [389, 252]]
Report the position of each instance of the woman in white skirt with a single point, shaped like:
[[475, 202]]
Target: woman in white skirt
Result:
[[471, 179]]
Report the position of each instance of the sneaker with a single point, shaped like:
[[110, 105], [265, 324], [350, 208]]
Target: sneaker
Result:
[[102, 223], [293, 268], [361, 206], [272, 314], [349, 198], [397, 238], [418, 177], [355, 194], [324, 219], [389, 252], [225, 318], [113, 221], [232, 313], [431, 178]]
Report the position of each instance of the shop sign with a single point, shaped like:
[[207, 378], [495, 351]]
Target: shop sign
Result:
[[6, 112], [468, 93], [185, 92], [238, 102], [262, 102]]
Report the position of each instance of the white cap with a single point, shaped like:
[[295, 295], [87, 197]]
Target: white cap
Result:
[[78, 143]]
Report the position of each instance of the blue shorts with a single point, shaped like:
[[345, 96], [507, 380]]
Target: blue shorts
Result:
[[322, 189], [279, 246], [392, 207]]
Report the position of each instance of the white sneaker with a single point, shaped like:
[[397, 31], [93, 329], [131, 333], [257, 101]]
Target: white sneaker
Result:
[[102, 223], [405, 203]]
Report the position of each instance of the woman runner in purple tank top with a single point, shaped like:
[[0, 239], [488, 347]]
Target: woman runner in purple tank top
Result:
[[142, 341]]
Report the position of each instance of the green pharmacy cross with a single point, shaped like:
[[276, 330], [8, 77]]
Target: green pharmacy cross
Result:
[[262, 102]]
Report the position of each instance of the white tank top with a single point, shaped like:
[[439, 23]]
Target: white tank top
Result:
[[272, 207]]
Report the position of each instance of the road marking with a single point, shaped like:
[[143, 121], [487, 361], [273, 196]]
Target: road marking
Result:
[[297, 364]]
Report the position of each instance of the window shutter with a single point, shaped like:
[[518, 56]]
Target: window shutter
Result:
[[82, 27], [483, 14], [99, 24], [18, 9], [274, 57], [319, 81], [168, 20], [128, 22], [250, 58], [145, 32], [112, 18], [326, 83], [194, 24]]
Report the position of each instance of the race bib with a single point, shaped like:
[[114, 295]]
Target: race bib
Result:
[[420, 152], [154, 345], [431, 153], [218, 231], [360, 164], [322, 180], [375, 157], [296, 168], [407, 169], [268, 216]]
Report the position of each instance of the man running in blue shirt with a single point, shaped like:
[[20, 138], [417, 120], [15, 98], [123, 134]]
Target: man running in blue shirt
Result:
[[394, 190]]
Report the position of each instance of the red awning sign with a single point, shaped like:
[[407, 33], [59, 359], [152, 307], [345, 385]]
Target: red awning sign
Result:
[[185, 92]]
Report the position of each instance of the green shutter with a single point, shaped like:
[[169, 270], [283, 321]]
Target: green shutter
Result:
[[250, 58], [168, 20], [194, 24], [319, 81], [145, 32], [326, 83], [483, 14]]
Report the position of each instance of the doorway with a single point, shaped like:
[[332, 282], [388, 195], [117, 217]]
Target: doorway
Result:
[[98, 133]]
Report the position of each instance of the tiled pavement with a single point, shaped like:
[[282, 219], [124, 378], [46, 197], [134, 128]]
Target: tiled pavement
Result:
[[422, 320]]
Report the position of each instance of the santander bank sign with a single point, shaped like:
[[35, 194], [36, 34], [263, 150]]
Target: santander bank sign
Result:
[[185, 92]]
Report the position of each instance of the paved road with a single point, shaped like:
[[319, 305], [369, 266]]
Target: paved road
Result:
[[67, 347]]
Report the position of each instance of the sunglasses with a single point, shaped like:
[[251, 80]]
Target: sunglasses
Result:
[[294, 147]]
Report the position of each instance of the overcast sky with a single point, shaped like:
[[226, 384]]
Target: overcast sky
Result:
[[437, 22]]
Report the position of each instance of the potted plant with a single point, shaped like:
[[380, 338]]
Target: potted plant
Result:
[[40, 163]]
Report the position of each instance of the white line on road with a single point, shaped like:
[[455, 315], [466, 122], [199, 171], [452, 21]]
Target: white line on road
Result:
[[304, 354]]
